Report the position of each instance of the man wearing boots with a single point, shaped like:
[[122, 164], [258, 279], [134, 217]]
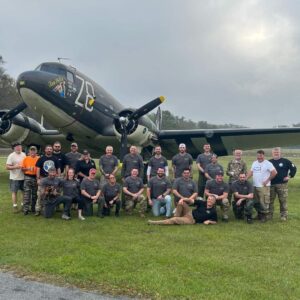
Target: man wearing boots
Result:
[[111, 194], [242, 203], [90, 191], [50, 195], [218, 188], [263, 172]]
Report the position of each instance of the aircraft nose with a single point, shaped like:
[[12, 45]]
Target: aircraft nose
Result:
[[34, 80]]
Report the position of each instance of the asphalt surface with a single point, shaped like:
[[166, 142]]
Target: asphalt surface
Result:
[[13, 288]]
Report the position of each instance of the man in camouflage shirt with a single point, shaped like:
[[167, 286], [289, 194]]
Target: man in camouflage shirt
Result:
[[235, 167]]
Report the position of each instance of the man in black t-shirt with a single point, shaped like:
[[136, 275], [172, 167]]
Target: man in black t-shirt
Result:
[[205, 213], [43, 165], [279, 184], [61, 157]]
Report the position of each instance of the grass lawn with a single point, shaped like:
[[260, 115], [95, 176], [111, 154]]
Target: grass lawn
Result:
[[126, 256]]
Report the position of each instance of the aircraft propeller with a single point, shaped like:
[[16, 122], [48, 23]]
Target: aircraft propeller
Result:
[[127, 120], [10, 115]]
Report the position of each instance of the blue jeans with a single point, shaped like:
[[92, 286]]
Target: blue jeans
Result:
[[161, 207]]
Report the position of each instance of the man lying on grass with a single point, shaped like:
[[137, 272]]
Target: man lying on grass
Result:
[[204, 213]]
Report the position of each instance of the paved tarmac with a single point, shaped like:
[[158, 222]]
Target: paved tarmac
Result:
[[13, 288]]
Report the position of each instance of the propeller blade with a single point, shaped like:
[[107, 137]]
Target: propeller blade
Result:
[[13, 112], [123, 147], [146, 108]]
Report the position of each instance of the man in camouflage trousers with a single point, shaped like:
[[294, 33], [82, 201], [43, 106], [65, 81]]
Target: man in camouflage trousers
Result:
[[30, 182], [279, 184], [235, 167]]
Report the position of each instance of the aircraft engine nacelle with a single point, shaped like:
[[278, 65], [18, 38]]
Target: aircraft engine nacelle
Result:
[[14, 133], [19, 129], [140, 137]]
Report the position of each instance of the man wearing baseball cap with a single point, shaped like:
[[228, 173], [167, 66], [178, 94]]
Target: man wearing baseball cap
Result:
[[90, 191], [73, 156], [181, 161], [84, 165]]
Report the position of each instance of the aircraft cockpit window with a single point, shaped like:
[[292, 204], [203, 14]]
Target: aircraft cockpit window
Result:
[[38, 68], [53, 69], [70, 77]]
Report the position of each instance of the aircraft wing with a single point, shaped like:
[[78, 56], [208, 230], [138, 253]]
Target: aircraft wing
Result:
[[224, 141]]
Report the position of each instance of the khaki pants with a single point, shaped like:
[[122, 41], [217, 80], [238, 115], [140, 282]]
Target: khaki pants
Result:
[[183, 216], [281, 190], [262, 199]]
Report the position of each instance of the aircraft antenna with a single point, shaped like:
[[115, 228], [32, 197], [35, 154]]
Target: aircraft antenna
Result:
[[63, 58]]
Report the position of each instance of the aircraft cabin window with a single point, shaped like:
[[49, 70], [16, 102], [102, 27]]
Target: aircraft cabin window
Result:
[[70, 76]]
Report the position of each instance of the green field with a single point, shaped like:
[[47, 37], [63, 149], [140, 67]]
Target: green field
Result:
[[125, 256]]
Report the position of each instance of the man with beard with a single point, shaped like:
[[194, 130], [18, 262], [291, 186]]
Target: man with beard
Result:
[[202, 161], [158, 193], [157, 161], [43, 165], [181, 161]]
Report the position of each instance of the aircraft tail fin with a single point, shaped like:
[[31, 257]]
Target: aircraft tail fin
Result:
[[158, 119]]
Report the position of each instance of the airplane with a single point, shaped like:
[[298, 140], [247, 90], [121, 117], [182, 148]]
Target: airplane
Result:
[[82, 111]]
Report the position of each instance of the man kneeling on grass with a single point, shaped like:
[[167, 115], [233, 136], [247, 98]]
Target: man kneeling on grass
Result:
[[50, 195], [204, 213]]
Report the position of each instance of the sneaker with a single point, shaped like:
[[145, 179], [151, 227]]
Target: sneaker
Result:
[[26, 213], [174, 211], [65, 217], [284, 219], [37, 213], [81, 218], [117, 215]]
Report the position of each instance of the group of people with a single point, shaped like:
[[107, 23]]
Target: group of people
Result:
[[71, 179]]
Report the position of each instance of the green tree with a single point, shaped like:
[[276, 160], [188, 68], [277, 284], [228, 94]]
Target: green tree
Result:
[[170, 121]]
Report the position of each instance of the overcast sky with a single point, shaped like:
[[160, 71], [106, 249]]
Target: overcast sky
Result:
[[219, 61]]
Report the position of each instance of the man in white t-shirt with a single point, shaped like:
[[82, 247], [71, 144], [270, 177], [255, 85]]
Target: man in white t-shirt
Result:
[[16, 176], [263, 172]]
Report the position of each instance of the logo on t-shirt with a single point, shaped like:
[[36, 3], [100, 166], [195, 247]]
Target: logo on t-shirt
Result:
[[281, 165], [48, 164], [257, 169]]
